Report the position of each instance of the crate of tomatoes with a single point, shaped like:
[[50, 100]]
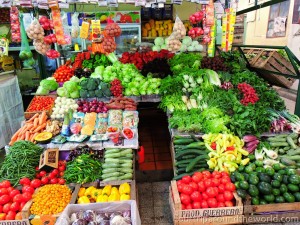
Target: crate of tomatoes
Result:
[[39, 104], [205, 198]]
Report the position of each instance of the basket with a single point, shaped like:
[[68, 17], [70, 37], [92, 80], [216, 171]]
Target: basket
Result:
[[28, 115]]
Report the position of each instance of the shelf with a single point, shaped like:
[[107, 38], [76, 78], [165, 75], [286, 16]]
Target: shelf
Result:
[[11, 49], [7, 72], [151, 38]]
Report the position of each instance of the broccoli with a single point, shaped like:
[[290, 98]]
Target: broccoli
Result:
[[91, 85], [91, 94], [84, 83], [83, 93], [106, 92], [97, 81], [99, 93]]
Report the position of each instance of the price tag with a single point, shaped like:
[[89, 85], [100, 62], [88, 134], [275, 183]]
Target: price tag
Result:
[[84, 31]]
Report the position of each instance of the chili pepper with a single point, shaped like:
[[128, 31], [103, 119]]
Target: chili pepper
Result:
[[213, 145]]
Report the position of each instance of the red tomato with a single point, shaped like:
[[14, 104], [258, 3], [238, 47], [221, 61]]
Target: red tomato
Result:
[[5, 184], [18, 216], [62, 168], [216, 174], [185, 199], [212, 202], [37, 168], [26, 196], [4, 199], [228, 196], [211, 192], [43, 173], [196, 179], [3, 191], [45, 180], [61, 181], [18, 198], [6, 207], [189, 206], [206, 174], [37, 176], [179, 187], [196, 205], [205, 196], [208, 183], [201, 186], [61, 174], [193, 185], [221, 188], [228, 204], [215, 182], [220, 198], [10, 189], [220, 204], [216, 190], [230, 187], [1, 208], [196, 196], [204, 204], [55, 171], [182, 206], [13, 193], [51, 175], [35, 183], [15, 207], [22, 204], [186, 179], [224, 174], [10, 215], [225, 180], [186, 189], [53, 181], [28, 189]]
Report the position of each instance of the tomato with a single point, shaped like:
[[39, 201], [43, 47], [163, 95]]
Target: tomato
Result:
[[35, 183], [2, 216], [13, 193], [216, 174], [1, 208], [55, 172], [225, 180], [45, 180], [51, 175], [208, 183], [62, 168], [224, 174], [61, 174], [10, 189], [22, 204], [18, 216], [230, 187], [196, 178], [186, 179], [185, 199], [204, 204], [221, 188], [5, 184], [186, 189], [212, 202], [215, 182], [18, 198], [196, 205], [206, 174], [4, 199], [189, 206], [43, 173], [6, 207], [61, 181], [228, 196], [220, 204], [201, 186], [205, 196], [193, 185], [220, 198], [26, 196], [28, 189], [3, 191], [15, 207], [229, 204], [37, 176], [54, 181], [10, 215], [196, 196], [211, 192], [182, 206]]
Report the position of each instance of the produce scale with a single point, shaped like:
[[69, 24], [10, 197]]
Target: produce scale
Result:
[[73, 155]]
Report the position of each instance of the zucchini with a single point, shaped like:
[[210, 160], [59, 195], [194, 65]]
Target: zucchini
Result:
[[291, 142], [178, 162], [107, 175], [286, 161], [126, 165], [112, 160], [111, 179], [126, 170], [195, 138], [193, 163], [276, 139], [188, 156], [195, 145], [191, 151], [183, 141], [279, 144], [126, 176], [200, 163], [110, 165], [126, 161], [112, 150], [110, 170], [181, 137]]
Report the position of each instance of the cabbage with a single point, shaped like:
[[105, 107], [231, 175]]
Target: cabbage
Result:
[[156, 48], [62, 92], [49, 84], [74, 94], [42, 91], [187, 41], [213, 77], [183, 48], [99, 70], [191, 48], [195, 43], [159, 41], [199, 48], [71, 86], [164, 46], [75, 79]]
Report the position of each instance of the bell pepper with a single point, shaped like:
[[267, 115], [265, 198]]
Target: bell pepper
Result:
[[106, 190], [83, 200], [102, 198], [114, 190], [125, 197], [89, 191], [81, 192], [114, 197], [124, 188], [96, 193]]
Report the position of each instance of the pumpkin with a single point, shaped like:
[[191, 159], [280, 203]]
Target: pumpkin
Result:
[[43, 137]]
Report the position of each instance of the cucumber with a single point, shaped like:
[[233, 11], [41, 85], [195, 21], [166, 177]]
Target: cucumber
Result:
[[126, 161], [279, 144], [195, 145], [197, 167], [107, 175], [126, 165], [189, 156], [293, 135], [197, 152], [178, 162], [110, 170], [276, 139], [179, 146], [126, 176], [110, 165], [195, 138], [184, 165], [291, 142], [111, 179], [126, 170], [193, 163], [112, 150], [112, 155], [181, 137], [112, 160], [183, 141]]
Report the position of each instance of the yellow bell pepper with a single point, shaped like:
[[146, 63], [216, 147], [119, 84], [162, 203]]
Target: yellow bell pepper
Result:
[[125, 197], [114, 190], [81, 192], [124, 188], [114, 197], [83, 200], [96, 193], [106, 190], [102, 198], [89, 191]]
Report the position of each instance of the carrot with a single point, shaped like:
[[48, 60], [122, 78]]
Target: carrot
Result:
[[35, 122], [27, 134], [31, 137], [22, 137], [40, 127], [24, 128], [32, 118], [42, 118]]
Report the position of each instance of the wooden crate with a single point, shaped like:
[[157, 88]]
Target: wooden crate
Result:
[[209, 216], [26, 209], [271, 60], [271, 213], [28, 115], [15, 222]]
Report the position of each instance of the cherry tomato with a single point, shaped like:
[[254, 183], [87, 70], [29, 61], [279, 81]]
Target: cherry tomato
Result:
[[43, 173], [61, 174], [196, 178], [205, 196], [225, 180], [186, 179], [45, 180], [224, 174], [212, 203], [208, 183], [206, 174], [189, 206], [204, 204], [62, 168], [3, 191], [53, 181], [216, 174], [61, 181], [196, 196], [5, 184], [10, 215], [185, 199], [4, 199], [51, 176], [10, 189], [215, 182], [26, 196], [22, 204], [228, 196]]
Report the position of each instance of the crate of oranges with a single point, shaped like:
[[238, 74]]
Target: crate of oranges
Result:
[[50, 200]]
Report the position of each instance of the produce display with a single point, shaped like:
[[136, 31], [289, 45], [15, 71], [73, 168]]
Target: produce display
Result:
[[157, 28], [117, 164]]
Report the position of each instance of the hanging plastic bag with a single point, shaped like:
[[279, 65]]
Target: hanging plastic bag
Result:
[[15, 25], [35, 31], [58, 27], [108, 45], [25, 53], [41, 47], [75, 25], [179, 30], [112, 29]]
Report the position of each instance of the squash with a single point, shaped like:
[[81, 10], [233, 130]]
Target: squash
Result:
[[43, 138]]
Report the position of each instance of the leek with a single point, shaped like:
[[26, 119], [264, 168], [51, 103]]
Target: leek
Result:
[[259, 155], [270, 153]]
